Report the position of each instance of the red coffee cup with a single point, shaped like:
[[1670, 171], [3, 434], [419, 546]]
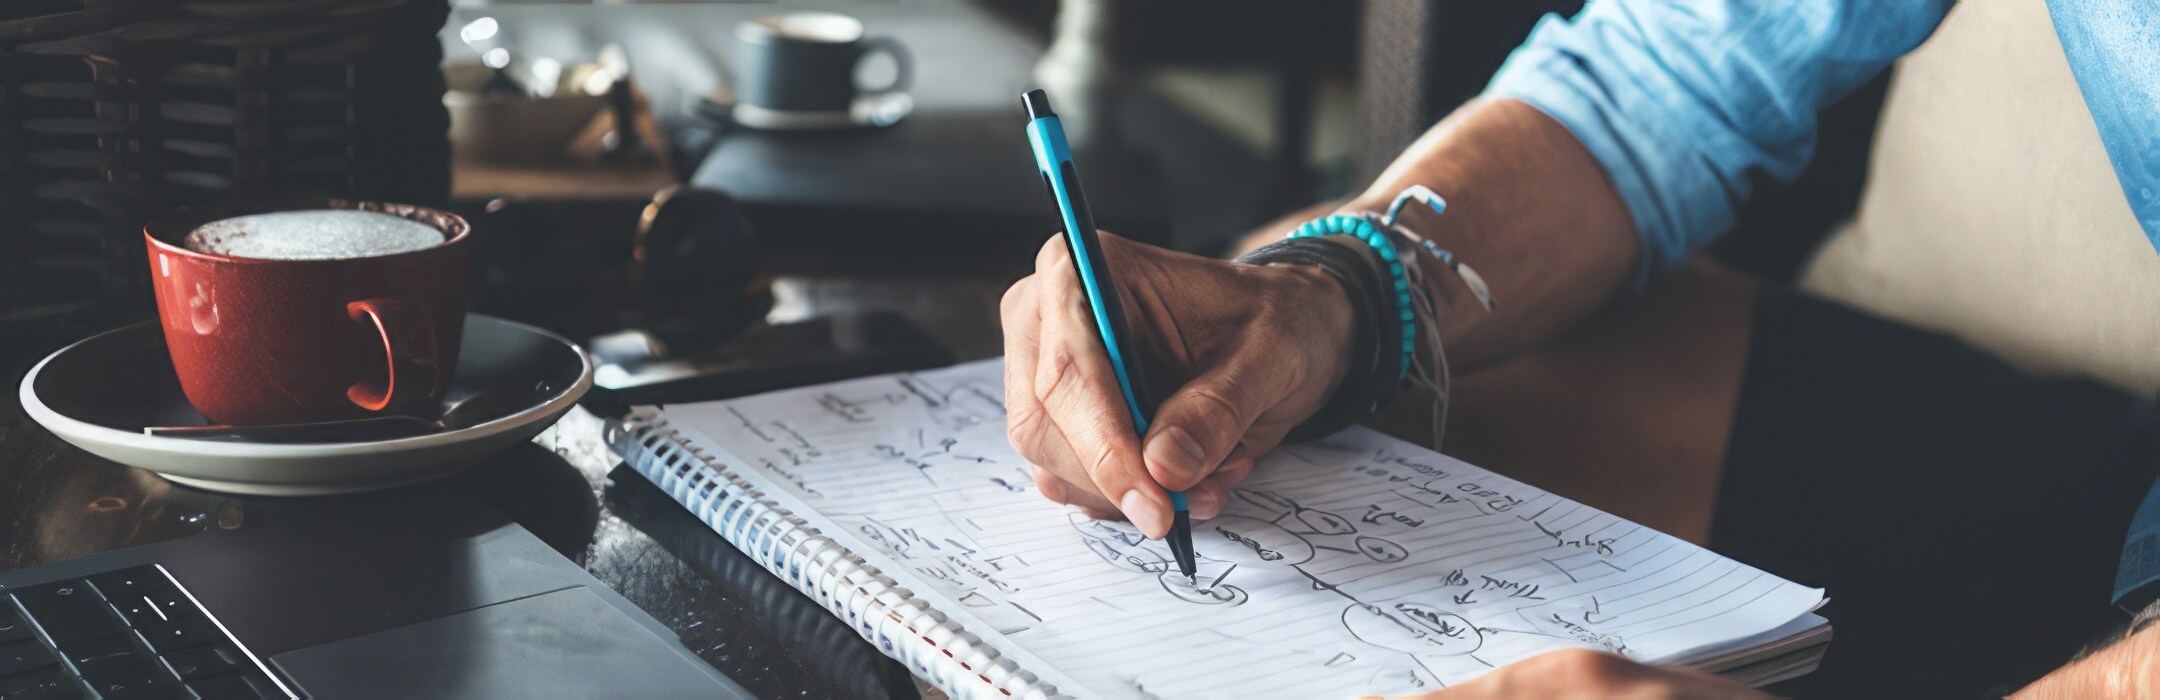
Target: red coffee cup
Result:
[[258, 341]]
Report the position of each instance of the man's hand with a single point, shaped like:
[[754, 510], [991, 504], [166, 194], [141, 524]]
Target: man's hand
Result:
[[1239, 354], [1580, 673]]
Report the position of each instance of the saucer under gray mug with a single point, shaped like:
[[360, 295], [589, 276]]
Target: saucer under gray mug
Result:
[[798, 71]]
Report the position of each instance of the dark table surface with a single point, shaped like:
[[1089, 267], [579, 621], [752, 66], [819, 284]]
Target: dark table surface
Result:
[[58, 502]]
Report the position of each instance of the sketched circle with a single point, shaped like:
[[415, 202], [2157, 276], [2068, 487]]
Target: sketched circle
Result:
[[1242, 540], [1412, 628], [1267, 502], [1225, 594], [1381, 550], [1121, 533], [1137, 560]]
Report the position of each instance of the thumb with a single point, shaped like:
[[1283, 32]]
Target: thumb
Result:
[[1195, 429]]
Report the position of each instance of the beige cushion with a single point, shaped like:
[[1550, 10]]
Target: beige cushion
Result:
[[1991, 212]]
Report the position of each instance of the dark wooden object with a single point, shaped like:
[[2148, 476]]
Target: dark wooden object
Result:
[[115, 111]]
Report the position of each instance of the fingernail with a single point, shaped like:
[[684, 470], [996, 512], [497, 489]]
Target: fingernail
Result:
[[1183, 454], [1143, 513]]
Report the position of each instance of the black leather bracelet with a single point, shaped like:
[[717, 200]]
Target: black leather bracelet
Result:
[[1373, 376]]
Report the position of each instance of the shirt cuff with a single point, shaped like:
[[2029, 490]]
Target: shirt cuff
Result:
[[2137, 577], [1549, 86]]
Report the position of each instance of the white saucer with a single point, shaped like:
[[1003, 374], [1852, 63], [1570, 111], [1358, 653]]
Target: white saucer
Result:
[[867, 111], [99, 394]]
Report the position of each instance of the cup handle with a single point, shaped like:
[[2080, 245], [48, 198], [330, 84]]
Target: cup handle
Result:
[[903, 64], [392, 325]]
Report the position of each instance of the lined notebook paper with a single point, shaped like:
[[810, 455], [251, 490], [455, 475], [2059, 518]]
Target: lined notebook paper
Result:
[[1356, 564]]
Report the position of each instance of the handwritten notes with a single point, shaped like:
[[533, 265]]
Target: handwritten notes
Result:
[[1352, 565]]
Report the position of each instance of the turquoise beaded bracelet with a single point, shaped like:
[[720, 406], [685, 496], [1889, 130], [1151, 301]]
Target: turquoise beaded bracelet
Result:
[[1363, 228]]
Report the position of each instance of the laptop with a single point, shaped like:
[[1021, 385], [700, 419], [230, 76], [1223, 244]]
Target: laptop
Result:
[[414, 593]]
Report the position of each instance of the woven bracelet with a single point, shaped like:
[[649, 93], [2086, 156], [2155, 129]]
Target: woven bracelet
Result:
[[1364, 230]]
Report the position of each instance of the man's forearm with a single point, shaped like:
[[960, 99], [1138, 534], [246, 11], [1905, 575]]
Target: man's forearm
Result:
[[2126, 669], [1529, 209], [1273, 231]]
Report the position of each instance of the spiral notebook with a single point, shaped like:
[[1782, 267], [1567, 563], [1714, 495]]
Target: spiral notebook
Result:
[[1356, 564]]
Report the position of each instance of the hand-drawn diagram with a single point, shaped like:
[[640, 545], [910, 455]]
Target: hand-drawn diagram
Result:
[[964, 405], [1208, 593], [1266, 529], [1353, 560], [1279, 520], [1416, 629], [1278, 532], [923, 455], [953, 562], [962, 408], [957, 408], [1242, 540]]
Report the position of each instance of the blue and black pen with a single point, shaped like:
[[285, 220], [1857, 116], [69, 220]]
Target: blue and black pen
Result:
[[1062, 178]]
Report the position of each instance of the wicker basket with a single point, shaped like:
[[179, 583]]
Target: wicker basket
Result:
[[115, 111]]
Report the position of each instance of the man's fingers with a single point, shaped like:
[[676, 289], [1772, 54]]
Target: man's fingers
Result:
[[1208, 497], [1026, 427], [1100, 433], [1044, 310], [1079, 392], [1050, 258], [1057, 489], [1058, 475], [1049, 484], [1197, 427]]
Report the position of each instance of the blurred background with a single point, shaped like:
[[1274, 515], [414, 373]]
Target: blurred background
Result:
[[600, 151], [641, 178]]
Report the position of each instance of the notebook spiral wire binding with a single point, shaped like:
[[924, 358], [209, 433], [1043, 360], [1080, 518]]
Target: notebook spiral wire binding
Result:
[[875, 605]]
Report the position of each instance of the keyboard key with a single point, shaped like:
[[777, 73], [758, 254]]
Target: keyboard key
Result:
[[176, 623], [179, 633], [92, 651], [24, 656], [173, 603], [130, 677], [43, 685], [156, 692], [135, 609], [225, 688], [131, 583], [12, 627], [68, 610], [203, 662]]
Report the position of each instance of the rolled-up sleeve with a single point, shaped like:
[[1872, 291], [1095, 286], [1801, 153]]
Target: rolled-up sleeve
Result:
[[1687, 102]]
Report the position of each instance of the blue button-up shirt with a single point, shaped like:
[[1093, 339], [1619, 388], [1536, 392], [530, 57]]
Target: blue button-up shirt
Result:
[[1689, 104]]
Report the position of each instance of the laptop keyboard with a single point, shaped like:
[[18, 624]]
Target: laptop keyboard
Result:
[[121, 635]]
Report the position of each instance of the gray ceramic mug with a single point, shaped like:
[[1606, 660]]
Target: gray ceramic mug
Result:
[[798, 69]]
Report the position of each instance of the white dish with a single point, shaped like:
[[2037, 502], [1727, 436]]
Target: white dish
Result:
[[868, 111], [98, 394]]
